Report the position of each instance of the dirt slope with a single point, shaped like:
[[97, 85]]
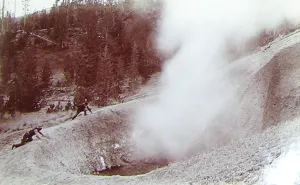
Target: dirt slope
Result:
[[72, 149]]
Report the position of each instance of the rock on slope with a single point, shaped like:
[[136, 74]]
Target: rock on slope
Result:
[[268, 96]]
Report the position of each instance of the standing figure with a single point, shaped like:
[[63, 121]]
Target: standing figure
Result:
[[58, 107], [68, 106], [82, 108]]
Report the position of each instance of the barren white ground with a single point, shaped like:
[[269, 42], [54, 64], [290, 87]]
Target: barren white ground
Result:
[[270, 156]]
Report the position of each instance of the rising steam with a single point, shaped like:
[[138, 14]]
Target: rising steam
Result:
[[195, 85]]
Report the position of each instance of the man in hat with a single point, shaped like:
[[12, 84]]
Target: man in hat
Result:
[[82, 108]]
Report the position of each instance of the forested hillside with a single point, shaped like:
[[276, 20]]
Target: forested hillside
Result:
[[104, 49]]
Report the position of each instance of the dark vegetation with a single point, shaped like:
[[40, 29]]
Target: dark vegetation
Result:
[[104, 49]]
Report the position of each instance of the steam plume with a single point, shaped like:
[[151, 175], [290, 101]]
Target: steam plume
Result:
[[195, 85]]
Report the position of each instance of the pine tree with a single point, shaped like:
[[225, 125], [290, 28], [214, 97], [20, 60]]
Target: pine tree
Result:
[[2, 19], [26, 10], [69, 67], [7, 54], [104, 75], [27, 82], [46, 75], [133, 67]]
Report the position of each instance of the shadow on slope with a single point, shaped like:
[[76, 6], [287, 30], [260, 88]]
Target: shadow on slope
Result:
[[282, 100]]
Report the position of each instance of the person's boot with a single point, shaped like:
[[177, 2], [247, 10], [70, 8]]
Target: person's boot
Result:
[[13, 146]]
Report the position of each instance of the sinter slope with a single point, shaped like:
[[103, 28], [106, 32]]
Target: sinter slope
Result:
[[269, 96]]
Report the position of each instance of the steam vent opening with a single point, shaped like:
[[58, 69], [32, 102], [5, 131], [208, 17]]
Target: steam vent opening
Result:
[[133, 168]]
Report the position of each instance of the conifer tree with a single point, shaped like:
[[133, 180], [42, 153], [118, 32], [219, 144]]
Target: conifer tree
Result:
[[46, 75]]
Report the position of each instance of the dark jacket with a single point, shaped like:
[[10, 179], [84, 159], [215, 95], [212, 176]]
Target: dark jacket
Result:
[[30, 134], [82, 107]]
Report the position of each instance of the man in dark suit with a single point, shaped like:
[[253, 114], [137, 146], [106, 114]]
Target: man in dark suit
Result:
[[27, 137], [82, 108]]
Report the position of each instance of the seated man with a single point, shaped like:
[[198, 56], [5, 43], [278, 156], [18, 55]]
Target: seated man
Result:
[[82, 108], [27, 137]]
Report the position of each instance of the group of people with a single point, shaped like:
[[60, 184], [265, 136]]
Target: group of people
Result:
[[27, 137], [59, 107]]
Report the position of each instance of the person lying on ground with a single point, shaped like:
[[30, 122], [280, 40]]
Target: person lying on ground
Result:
[[27, 137], [82, 108]]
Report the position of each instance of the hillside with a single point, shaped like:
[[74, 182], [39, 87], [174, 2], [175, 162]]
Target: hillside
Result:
[[73, 150], [95, 50], [111, 54]]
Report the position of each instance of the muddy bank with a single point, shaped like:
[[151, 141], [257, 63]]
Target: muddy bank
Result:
[[134, 168]]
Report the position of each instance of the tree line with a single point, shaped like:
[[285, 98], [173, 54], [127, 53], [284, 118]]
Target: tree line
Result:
[[108, 48]]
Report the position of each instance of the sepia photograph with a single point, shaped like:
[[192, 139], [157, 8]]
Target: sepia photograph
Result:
[[149, 92]]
